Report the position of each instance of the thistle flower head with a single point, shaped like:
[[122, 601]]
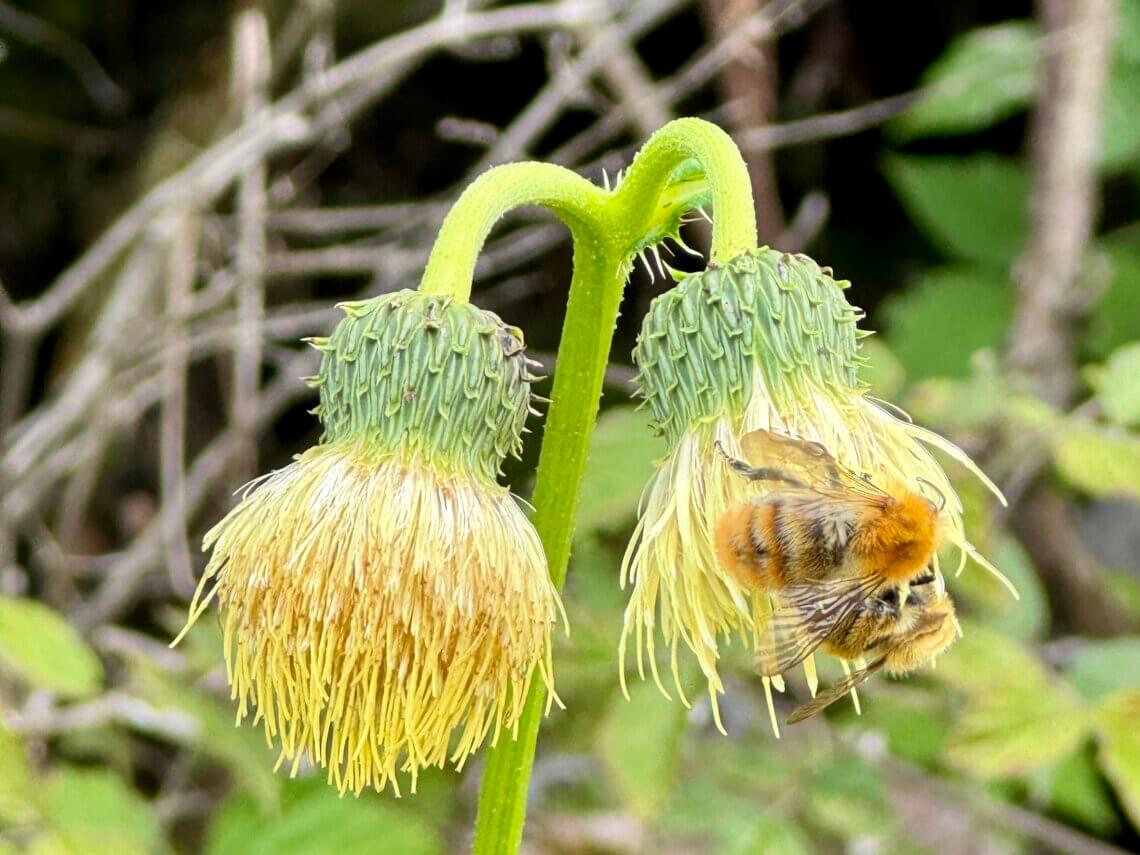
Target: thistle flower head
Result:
[[766, 341], [385, 602]]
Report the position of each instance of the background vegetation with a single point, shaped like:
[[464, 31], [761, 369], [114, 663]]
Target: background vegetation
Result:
[[186, 187]]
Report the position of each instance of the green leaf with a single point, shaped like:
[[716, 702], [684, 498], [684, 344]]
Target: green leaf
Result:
[[584, 658], [1118, 385], [316, 821], [1128, 36], [17, 786], [732, 782], [1026, 618], [1119, 739], [937, 324], [1124, 587], [971, 208], [622, 451], [991, 73], [1017, 717], [1120, 140], [983, 76], [1075, 790], [1098, 462], [1101, 667], [915, 730], [640, 743], [40, 646], [773, 834], [979, 403], [984, 660], [847, 798], [1015, 729], [94, 811], [1115, 319]]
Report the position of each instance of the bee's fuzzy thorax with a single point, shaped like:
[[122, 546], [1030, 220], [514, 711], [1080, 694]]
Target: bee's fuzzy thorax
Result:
[[900, 542]]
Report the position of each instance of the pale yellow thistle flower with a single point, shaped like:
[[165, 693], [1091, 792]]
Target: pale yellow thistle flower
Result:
[[385, 602], [766, 341]]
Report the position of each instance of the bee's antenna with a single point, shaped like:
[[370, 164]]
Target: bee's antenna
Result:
[[941, 495]]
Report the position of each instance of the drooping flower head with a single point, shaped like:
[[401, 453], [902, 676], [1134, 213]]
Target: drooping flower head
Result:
[[766, 341], [385, 601]]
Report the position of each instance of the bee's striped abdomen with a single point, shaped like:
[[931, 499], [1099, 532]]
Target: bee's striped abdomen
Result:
[[747, 547]]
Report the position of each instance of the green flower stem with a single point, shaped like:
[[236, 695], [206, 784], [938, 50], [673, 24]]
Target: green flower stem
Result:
[[636, 199], [608, 229], [451, 266]]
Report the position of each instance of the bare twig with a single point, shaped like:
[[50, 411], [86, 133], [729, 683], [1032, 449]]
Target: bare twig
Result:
[[840, 123], [126, 309], [16, 351], [251, 53], [298, 118], [806, 223], [56, 133], [363, 218], [630, 81], [172, 442], [910, 782], [777, 17], [104, 91], [749, 82], [548, 104], [1066, 141], [113, 707], [1079, 598]]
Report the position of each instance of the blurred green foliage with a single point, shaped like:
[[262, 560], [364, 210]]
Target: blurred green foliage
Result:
[[1011, 719], [40, 646]]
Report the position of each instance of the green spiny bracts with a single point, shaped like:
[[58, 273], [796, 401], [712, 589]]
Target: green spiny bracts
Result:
[[686, 191], [701, 341], [419, 374]]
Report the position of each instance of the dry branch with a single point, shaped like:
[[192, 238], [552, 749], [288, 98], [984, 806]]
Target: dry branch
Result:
[[1065, 145]]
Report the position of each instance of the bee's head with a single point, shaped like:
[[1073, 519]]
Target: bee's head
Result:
[[933, 627]]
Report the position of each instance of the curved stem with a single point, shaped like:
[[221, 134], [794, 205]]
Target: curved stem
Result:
[[608, 228], [734, 228], [451, 266]]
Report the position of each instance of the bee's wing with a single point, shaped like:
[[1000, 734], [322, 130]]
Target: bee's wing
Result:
[[834, 692], [808, 461], [805, 616], [775, 457]]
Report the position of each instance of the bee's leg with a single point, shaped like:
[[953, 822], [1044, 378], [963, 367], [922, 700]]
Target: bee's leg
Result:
[[753, 473]]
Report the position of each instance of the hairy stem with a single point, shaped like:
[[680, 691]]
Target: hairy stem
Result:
[[451, 266], [608, 227]]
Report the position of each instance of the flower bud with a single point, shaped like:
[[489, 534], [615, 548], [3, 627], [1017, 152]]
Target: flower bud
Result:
[[385, 602], [766, 341]]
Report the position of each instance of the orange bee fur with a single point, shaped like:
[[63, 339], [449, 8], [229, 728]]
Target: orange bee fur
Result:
[[797, 536], [847, 564]]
